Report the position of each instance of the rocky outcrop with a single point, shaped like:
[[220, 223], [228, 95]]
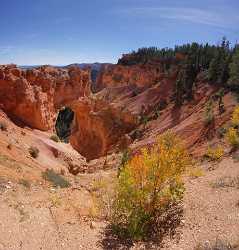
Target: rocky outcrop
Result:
[[100, 128], [134, 105], [141, 76], [189, 121], [32, 97]]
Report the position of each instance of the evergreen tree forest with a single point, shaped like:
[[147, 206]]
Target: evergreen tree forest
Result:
[[218, 64]]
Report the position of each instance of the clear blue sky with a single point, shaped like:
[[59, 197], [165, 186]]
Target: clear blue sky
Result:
[[66, 31]]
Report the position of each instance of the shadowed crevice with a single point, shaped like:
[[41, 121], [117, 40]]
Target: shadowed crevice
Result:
[[63, 124]]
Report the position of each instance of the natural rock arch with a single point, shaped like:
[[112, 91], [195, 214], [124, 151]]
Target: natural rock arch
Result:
[[63, 123], [35, 97]]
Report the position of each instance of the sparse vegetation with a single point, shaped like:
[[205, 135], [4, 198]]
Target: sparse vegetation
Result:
[[225, 182], [234, 69], [56, 179], [33, 151], [125, 158], [55, 200], [55, 138], [217, 245], [3, 126], [232, 138], [222, 131], [25, 183], [196, 172], [102, 192], [144, 120], [148, 185], [209, 116], [235, 117], [94, 209], [214, 153], [216, 64], [136, 134], [98, 184]]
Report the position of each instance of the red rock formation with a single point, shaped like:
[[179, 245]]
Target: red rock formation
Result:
[[141, 76], [102, 122], [188, 121], [32, 97], [99, 128]]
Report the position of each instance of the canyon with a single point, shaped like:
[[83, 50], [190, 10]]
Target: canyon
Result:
[[125, 109], [110, 120]]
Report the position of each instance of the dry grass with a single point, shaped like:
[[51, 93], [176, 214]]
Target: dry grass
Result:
[[226, 182], [56, 179], [196, 172], [33, 151], [25, 183], [55, 200], [55, 138], [217, 245], [3, 126]]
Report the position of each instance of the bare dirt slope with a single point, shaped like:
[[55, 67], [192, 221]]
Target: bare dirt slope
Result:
[[36, 215], [42, 217]]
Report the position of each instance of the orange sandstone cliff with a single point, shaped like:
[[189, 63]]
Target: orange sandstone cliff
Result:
[[32, 97], [133, 105]]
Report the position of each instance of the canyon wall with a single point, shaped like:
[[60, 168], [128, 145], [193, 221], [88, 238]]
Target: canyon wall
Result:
[[133, 105], [100, 128], [32, 97], [141, 76]]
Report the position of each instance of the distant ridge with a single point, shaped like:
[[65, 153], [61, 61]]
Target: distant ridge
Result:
[[95, 67]]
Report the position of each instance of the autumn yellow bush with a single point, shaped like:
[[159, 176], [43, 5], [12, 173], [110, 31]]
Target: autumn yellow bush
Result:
[[235, 117], [232, 137], [215, 153], [147, 185]]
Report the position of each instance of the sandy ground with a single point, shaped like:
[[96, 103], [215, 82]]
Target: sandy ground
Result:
[[34, 215], [42, 217]]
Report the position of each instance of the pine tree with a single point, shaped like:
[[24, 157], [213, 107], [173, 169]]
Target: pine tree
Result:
[[213, 72], [234, 69]]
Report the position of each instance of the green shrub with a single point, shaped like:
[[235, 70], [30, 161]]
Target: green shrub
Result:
[[33, 151], [136, 134], [3, 126], [125, 158], [144, 119], [56, 179], [221, 132], [55, 138], [148, 184], [209, 115]]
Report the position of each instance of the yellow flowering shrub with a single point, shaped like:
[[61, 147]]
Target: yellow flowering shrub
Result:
[[235, 117], [215, 153], [148, 183], [232, 137]]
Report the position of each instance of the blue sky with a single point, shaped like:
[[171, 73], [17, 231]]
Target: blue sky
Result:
[[66, 31]]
